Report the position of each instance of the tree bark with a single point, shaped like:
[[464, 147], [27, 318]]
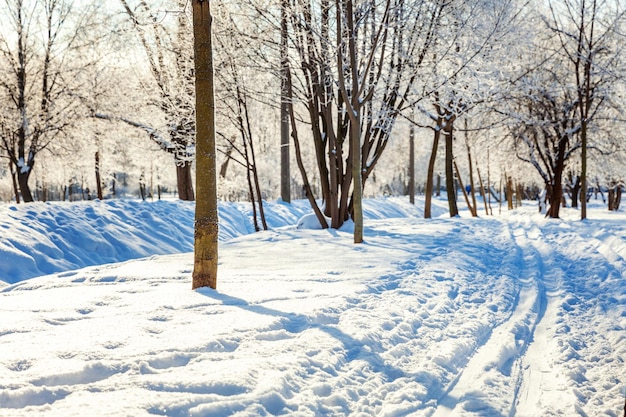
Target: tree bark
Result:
[[285, 175], [98, 179], [206, 214], [412, 165], [22, 180], [451, 191], [431, 172], [184, 180]]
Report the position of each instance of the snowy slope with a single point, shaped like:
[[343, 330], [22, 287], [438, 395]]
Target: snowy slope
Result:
[[512, 315]]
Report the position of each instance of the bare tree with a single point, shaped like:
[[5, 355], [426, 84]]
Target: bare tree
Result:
[[586, 30], [170, 63], [43, 43]]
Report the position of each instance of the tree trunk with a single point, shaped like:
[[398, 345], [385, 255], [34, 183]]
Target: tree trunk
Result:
[[465, 195], [98, 179], [483, 194], [22, 180], [431, 172], [16, 190], [509, 192], [450, 187], [206, 214], [471, 171], [412, 165], [184, 181], [285, 176], [556, 196]]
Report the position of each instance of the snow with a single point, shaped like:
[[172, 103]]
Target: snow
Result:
[[512, 315]]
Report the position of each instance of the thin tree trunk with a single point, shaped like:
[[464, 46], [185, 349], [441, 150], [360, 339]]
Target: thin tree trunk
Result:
[[471, 170], [16, 190], [509, 192], [412, 165], [483, 194], [430, 174], [285, 176], [298, 155], [471, 208], [98, 179]]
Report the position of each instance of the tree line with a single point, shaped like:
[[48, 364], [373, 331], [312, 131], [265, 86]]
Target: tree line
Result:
[[322, 99]]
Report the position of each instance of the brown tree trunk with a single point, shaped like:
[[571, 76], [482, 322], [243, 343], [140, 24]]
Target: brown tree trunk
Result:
[[430, 174], [509, 192], [450, 186], [98, 179], [206, 214], [285, 175], [471, 208], [556, 196], [184, 180], [412, 165], [22, 180]]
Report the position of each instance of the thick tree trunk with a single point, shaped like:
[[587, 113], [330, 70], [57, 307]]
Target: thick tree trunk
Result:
[[206, 215], [556, 196], [22, 180], [184, 181]]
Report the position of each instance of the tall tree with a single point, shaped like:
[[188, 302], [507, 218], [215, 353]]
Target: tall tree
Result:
[[355, 64], [586, 30], [170, 63], [206, 216], [285, 173], [43, 43]]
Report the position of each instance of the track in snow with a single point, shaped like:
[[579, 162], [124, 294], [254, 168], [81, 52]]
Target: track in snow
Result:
[[475, 391], [544, 359]]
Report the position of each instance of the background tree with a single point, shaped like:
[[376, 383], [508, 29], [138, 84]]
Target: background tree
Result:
[[43, 44], [167, 50], [587, 32]]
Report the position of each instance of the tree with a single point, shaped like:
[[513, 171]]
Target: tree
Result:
[[169, 61], [43, 44], [285, 173], [585, 29], [545, 134], [566, 90], [354, 66], [206, 216], [235, 110]]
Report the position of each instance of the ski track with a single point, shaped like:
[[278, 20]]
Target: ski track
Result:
[[549, 366], [477, 391]]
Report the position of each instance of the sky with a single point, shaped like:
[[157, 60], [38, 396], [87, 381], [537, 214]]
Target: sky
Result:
[[507, 315]]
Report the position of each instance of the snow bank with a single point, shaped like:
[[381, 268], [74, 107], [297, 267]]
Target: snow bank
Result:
[[43, 238]]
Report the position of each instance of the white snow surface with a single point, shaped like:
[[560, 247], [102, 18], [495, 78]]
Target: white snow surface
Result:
[[506, 315]]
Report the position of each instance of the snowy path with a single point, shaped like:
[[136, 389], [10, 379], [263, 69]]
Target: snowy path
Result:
[[474, 392], [536, 362]]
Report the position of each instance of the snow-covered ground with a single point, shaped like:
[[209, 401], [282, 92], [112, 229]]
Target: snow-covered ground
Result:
[[511, 315]]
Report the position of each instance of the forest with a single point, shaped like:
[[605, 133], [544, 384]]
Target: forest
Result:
[[316, 99]]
